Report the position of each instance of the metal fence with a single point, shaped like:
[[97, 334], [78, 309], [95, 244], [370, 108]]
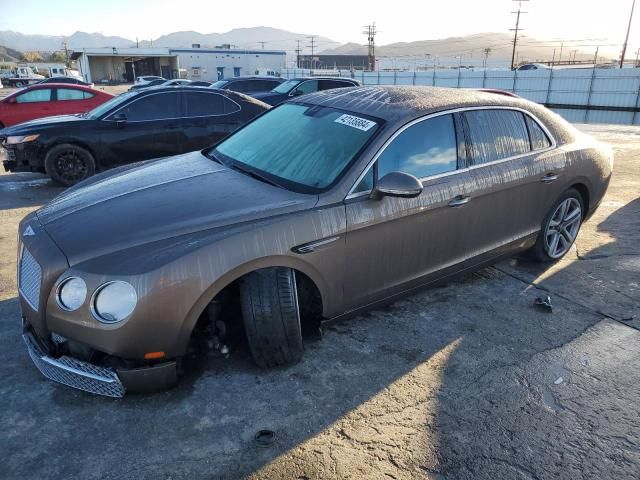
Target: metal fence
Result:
[[595, 95]]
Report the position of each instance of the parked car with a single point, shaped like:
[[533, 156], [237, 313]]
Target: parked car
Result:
[[67, 80], [146, 79], [130, 127], [533, 66], [121, 276], [46, 100], [302, 86], [249, 85], [200, 83], [161, 83]]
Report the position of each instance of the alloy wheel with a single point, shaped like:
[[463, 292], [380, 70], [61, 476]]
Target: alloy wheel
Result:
[[562, 229], [71, 166]]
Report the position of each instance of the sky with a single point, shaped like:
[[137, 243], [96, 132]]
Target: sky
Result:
[[591, 21]]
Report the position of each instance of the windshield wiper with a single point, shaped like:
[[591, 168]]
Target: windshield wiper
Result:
[[253, 174]]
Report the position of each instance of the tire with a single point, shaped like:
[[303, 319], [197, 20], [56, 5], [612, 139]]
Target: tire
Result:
[[19, 84], [69, 164], [569, 221], [271, 316]]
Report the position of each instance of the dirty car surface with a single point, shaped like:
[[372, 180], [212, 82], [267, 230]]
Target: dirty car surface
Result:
[[325, 205]]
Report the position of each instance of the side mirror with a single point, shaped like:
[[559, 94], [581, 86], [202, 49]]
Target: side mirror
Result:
[[12, 100], [120, 119], [297, 93], [397, 184]]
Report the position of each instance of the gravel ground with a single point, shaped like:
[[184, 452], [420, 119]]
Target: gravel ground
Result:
[[465, 381]]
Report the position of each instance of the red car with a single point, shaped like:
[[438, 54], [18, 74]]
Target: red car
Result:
[[49, 99]]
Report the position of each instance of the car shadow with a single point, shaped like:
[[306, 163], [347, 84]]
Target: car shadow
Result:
[[21, 190], [536, 416]]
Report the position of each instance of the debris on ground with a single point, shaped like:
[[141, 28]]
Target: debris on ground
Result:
[[544, 303], [558, 381]]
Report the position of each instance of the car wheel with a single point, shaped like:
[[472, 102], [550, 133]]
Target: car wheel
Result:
[[271, 316], [69, 164], [19, 84], [560, 227]]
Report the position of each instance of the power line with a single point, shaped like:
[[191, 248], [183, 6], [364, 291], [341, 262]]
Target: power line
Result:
[[515, 35], [370, 31]]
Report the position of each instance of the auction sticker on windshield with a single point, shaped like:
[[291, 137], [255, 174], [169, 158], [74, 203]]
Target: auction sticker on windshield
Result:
[[355, 122]]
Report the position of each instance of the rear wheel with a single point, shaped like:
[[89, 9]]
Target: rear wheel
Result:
[[19, 84], [271, 316], [69, 164], [560, 227]]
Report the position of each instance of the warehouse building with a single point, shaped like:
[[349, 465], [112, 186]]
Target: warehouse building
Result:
[[116, 65]]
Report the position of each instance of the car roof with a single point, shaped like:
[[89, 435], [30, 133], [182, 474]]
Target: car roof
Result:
[[253, 77], [72, 86], [401, 104], [325, 78], [189, 88]]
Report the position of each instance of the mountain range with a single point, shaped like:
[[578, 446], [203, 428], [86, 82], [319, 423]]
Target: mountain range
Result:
[[470, 47]]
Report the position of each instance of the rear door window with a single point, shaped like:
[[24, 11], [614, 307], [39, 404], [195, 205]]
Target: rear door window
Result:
[[39, 95], [153, 107], [204, 104], [495, 134], [539, 139], [72, 94], [327, 84]]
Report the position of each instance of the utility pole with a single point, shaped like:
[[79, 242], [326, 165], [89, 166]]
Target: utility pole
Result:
[[487, 51], [626, 39], [595, 57], [516, 30], [312, 39], [370, 31], [298, 50], [66, 53], [637, 55], [262, 43], [560, 56]]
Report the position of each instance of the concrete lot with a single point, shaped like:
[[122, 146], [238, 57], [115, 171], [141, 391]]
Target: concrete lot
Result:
[[466, 381]]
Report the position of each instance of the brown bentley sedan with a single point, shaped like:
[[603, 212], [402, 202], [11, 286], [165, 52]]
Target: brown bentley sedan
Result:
[[325, 205]]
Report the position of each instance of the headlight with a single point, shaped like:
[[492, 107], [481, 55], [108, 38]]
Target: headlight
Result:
[[21, 139], [72, 293], [114, 301]]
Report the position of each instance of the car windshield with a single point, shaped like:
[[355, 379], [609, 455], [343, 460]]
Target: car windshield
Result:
[[303, 148], [286, 87], [219, 84], [108, 105]]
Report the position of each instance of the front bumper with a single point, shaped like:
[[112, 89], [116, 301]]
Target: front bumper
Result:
[[23, 157], [96, 379], [73, 372]]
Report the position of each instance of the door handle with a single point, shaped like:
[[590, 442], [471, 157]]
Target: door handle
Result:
[[549, 177], [459, 201]]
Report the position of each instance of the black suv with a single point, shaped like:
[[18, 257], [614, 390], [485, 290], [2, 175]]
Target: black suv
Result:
[[249, 85], [301, 86]]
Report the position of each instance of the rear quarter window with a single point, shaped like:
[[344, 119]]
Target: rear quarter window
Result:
[[539, 139]]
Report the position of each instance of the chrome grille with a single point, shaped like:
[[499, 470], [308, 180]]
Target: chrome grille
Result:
[[29, 279], [75, 373]]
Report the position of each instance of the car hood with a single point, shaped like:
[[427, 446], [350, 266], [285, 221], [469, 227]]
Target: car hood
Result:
[[158, 200], [42, 123]]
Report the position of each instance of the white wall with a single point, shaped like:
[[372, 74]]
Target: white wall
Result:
[[583, 87], [208, 62]]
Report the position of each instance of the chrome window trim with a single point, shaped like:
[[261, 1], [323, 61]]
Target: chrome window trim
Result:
[[107, 119], [351, 194]]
